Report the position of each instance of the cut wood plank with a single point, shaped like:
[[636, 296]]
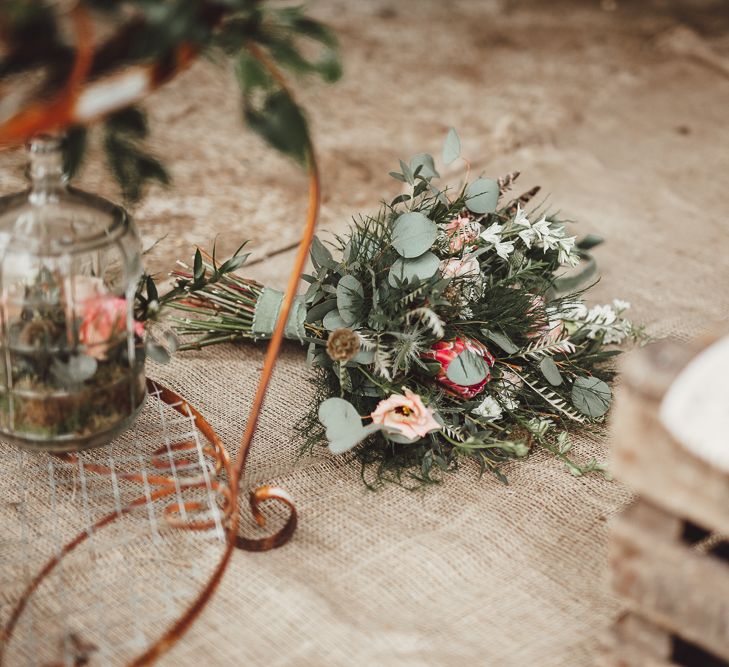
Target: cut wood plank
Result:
[[683, 592]]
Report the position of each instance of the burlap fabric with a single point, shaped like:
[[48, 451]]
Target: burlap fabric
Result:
[[468, 572]]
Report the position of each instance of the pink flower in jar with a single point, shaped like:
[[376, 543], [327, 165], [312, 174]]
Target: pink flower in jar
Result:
[[104, 319], [445, 351], [461, 231], [405, 415]]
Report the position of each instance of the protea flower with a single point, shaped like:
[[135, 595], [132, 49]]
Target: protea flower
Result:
[[445, 351]]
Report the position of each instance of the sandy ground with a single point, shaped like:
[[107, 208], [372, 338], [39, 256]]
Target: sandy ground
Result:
[[618, 109], [601, 104]]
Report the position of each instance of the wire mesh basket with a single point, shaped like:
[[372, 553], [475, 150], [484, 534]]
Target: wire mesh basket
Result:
[[101, 551]]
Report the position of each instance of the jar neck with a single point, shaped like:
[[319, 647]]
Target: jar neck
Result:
[[45, 169]]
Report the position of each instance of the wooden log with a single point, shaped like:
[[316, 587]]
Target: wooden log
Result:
[[637, 642], [665, 581], [645, 456]]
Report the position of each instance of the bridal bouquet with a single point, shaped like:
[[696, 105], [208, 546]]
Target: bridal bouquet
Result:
[[448, 325]]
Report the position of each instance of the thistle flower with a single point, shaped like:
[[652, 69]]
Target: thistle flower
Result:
[[342, 345]]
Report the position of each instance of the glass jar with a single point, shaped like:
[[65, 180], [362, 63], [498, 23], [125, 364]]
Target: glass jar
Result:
[[71, 352]]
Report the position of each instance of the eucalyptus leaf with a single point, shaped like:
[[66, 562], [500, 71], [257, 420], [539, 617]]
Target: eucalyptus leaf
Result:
[[502, 340], [590, 241], [426, 164], [467, 369], [343, 425], [591, 396], [157, 352], [413, 234], [571, 283], [173, 342], [364, 357], [350, 299], [407, 173], [482, 196], [451, 147], [333, 320], [399, 438], [318, 312], [320, 253], [422, 268], [550, 371], [76, 370], [349, 440]]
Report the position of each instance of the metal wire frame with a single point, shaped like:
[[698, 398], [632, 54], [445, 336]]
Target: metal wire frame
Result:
[[65, 111]]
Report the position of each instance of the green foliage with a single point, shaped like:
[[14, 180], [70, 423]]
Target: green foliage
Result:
[[527, 363], [451, 147], [256, 36], [127, 159]]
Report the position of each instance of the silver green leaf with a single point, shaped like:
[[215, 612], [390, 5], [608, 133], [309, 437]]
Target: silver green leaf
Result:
[[76, 370], [343, 425], [350, 299], [333, 320], [550, 371], [467, 369], [451, 147], [422, 267], [502, 340], [426, 164], [320, 253], [413, 234], [482, 196], [591, 396]]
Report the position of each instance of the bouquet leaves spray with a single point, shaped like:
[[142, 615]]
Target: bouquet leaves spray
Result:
[[448, 325]]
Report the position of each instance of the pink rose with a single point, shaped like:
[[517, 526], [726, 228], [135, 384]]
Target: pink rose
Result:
[[104, 318], [405, 415], [445, 351], [86, 288], [460, 268], [460, 231]]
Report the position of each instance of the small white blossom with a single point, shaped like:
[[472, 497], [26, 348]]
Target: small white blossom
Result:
[[620, 305], [504, 249], [601, 321], [493, 233], [567, 255], [488, 409]]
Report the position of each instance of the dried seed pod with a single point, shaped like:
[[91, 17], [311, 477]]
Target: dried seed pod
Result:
[[343, 344]]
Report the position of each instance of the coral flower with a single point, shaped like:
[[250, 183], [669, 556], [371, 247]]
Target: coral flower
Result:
[[445, 351], [105, 317], [405, 415], [460, 268], [553, 327], [460, 231]]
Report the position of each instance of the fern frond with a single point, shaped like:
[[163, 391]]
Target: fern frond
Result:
[[429, 319], [453, 432], [383, 362], [541, 348], [417, 292], [556, 401]]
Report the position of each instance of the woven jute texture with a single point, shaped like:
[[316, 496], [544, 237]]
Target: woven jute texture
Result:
[[623, 136], [468, 572]]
